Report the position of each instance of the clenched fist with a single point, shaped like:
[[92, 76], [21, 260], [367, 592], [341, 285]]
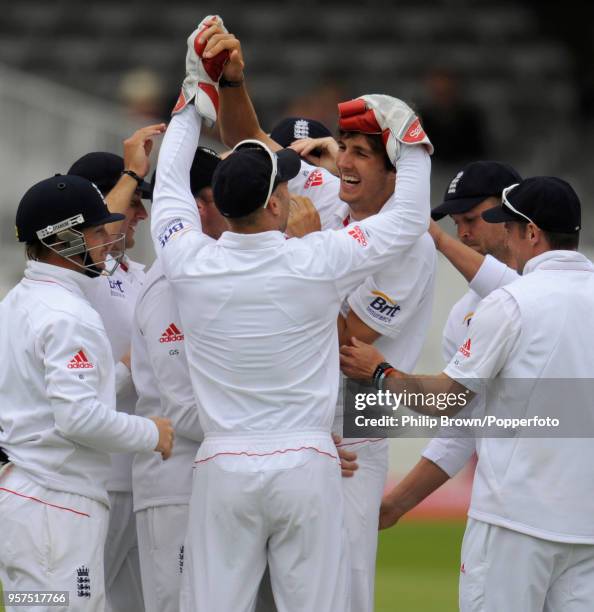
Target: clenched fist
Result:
[[166, 436]]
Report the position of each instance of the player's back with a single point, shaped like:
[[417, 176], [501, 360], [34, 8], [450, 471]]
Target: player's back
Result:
[[263, 345]]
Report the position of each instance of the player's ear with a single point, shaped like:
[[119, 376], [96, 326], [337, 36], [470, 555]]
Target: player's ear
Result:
[[533, 233], [274, 205]]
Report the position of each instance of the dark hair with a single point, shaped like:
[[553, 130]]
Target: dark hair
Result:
[[558, 241], [35, 250], [376, 143], [247, 220]]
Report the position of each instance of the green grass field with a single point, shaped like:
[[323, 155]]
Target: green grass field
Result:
[[418, 567]]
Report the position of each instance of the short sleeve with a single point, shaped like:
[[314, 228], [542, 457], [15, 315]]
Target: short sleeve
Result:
[[492, 335], [493, 274]]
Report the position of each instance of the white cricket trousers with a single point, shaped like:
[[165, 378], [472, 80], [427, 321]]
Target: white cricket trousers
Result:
[[505, 570], [362, 499], [292, 518], [123, 585], [51, 541], [161, 534]]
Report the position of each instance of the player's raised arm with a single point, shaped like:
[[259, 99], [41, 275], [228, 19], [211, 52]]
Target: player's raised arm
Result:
[[175, 223]]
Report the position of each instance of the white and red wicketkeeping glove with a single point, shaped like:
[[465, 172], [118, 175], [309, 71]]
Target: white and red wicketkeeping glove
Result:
[[385, 115], [202, 75]]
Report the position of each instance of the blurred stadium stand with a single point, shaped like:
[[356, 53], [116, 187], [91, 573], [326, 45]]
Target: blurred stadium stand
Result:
[[504, 54]]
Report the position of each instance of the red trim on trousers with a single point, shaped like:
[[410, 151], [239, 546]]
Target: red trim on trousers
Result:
[[44, 502], [360, 442], [276, 452]]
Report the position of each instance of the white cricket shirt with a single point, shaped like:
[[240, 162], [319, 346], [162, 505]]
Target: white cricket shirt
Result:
[[397, 300], [162, 379], [57, 389], [452, 453], [538, 327], [259, 311], [114, 298]]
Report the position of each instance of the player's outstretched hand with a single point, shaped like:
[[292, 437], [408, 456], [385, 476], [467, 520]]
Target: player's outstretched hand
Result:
[[166, 436], [138, 147], [348, 458], [318, 152], [359, 360], [303, 217]]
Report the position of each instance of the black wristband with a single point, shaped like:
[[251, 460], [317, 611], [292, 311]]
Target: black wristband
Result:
[[133, 175], [223, 82], [380, 373]]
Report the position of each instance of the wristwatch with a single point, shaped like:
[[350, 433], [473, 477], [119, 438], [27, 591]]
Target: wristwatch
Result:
[[380, 373]]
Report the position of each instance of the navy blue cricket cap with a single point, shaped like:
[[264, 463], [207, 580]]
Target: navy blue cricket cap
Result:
[[205, 163], [476, 182], [203, 166], [58, 198], [104, 169], [290, 129], [547, 201], [244, 181]]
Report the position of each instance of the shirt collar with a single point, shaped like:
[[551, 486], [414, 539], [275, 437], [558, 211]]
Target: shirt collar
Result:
[[559, 260], [127, 264], [71, 280], [251, 242]]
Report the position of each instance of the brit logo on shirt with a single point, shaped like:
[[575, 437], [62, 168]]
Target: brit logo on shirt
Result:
[[382, 307], [171, 229], [83, 582], [116, 288]]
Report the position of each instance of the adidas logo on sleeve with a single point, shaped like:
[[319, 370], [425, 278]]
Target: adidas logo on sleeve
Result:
[[172, 334], [80, 361], [465, 348]]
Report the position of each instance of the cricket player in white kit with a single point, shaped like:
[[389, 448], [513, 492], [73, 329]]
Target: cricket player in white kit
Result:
[[528, 503], [121, 181], [392, 307], [262, 351], [58, 422], [162, 489], [475, 188]]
